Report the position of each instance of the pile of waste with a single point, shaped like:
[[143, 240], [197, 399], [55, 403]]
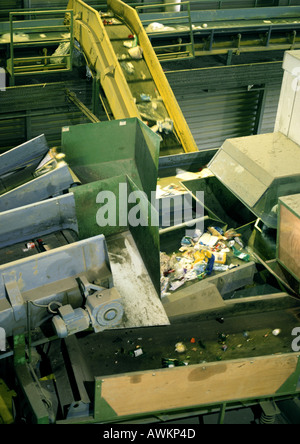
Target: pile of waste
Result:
[[199, 256]]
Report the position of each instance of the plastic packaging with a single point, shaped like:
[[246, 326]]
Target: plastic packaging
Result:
[[153, 111], [210, 265], [216, 231], [176, 284], [138, 352], [165, 126], [241, 255], [128, 67], [17, 37], [208, 240], [186, 240], [62, 50], [220, 267], [145, 97], [136, 52], [220, 258], [180, 347], [159, 27]]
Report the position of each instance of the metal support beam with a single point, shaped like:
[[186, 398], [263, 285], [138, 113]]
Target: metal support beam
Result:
[[84, 109]]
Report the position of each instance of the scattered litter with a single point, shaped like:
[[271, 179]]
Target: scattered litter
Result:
[[246, 334], [165, 125], [153, 111], [155, 26], [128, 67], [193, 340], [106, 14], [132, 43], [136, 52], [169, 363], [17, 37], [176, 285], [180, 347], [159, 27], [243, 256], [222, 337], [231, 234], [43, 36], [62, 50], [239, 241], [138, 352], [30, 245], [111, 21], [276, 332], [128, 44], [220, 267], [145, 97]]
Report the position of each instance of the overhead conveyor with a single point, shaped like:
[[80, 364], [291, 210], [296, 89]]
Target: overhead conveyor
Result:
[[135, 86], [198, 31]]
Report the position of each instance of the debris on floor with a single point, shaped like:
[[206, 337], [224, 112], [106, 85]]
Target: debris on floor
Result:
[[200, 255]]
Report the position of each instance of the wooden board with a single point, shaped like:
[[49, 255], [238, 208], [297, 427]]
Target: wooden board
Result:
[[289, 241], [195, 385]]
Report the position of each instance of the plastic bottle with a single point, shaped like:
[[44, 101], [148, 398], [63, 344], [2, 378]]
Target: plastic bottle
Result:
[[243, 256]]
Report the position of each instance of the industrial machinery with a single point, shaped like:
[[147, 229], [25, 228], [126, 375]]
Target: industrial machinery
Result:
[[85, 325], [31, 173]]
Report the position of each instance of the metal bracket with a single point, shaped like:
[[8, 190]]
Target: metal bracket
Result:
[[15, 298], [109, 70], [86, 287]]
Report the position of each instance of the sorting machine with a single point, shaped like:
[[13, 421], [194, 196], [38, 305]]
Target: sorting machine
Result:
[[81, 313]]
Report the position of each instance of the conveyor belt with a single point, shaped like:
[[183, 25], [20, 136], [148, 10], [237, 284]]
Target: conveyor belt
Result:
[[124, 78], [35, 246]]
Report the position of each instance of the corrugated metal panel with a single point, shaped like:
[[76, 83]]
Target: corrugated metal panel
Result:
[[187, 74], [9, 5], [270, 108], [12, 133], [234, 4], [51, 4], [217, 104], [51, 125], [40, 109], [214, 117]]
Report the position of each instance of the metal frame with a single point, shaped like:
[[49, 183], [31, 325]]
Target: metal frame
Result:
[[235, 24], [11, 62], [189, 53]]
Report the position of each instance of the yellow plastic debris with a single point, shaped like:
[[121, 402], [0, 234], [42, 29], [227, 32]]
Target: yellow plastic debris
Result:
[[6, 395]]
